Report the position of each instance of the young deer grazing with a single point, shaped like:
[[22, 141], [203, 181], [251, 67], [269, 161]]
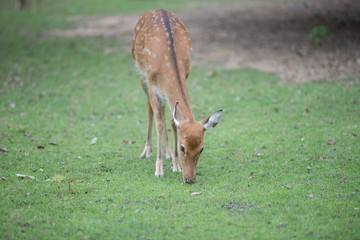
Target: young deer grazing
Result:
[[161, 49]]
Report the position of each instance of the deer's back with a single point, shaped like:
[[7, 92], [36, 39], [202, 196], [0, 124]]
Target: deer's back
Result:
[[161, 45]]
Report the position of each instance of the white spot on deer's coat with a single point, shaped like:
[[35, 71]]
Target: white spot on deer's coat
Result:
[[147, 50], [137, 27]]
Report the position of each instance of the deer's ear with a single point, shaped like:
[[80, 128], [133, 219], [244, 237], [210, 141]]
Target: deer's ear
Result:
[[212, 120], [177, 115]]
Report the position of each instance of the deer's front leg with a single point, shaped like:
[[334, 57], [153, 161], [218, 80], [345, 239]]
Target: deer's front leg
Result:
[[156, 107], [166, 138], [175, 158], [148, 145]]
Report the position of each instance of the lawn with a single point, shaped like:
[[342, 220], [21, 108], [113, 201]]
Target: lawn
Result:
[[283, 163]]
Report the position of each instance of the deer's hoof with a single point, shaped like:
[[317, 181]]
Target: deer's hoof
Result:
[[159, 175]]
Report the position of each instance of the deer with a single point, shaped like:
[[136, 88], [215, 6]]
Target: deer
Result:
[[161, 49]]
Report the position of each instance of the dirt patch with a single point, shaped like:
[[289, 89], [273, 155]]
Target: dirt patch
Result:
[[272, 37]]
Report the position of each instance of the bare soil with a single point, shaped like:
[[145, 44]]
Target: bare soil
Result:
[[268, 36]]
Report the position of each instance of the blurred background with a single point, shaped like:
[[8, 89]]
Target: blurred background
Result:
[[299, 40]]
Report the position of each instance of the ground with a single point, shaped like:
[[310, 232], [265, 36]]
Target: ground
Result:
[[283, 163], [268, 36]]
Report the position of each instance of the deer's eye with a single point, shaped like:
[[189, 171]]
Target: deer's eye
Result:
[[202, 148], [182, 148]]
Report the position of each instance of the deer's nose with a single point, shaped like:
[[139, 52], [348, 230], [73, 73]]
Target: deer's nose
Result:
[[188, 181]]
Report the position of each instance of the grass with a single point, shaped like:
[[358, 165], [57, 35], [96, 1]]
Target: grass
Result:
[[272, 135]]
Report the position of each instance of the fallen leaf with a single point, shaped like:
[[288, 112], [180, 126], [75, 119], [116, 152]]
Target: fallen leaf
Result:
[[195, 193], [310, 195], [22, 129], [53, 143], [281, 224], [3, 178], [41, 170], [26, 176], [40, 147], [128, 142], [211, 74], [93, 141], [288, 186], [238, 155], [73, 179], [354, 134], [3, 150], [331, 142], [259, 154], [72, 192], [57, 179]]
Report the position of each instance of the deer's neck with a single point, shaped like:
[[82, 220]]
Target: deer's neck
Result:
[[180, 94]]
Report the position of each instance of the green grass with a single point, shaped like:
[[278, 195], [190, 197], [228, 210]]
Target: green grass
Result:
[[69, 91]]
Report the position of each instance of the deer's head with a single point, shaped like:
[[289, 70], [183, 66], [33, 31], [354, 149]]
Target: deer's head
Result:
[[191, 135]]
